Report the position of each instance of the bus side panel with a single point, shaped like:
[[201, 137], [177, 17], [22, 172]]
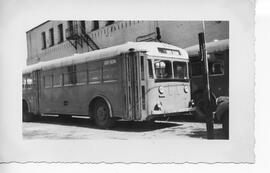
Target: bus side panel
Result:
[[74, 99], [114, 91], [31, 91], [46, 99], [219, 84]]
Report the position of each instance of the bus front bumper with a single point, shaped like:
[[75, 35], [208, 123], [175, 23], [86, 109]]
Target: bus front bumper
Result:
[[157, 114]]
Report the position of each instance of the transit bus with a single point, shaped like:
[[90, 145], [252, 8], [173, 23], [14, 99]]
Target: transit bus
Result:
[[134, 81], [218, 64]]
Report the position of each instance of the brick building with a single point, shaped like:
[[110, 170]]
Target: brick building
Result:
[[56, 39]]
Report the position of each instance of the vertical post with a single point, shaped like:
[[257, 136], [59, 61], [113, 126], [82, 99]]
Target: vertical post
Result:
[[209, 117]]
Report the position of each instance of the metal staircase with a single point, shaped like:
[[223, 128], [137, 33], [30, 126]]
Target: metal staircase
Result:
[[76, 35], [88, 40]]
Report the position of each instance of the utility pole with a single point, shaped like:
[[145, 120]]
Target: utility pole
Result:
[[209, 116]]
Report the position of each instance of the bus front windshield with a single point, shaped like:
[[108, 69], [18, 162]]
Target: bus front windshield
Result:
[[167, 70]]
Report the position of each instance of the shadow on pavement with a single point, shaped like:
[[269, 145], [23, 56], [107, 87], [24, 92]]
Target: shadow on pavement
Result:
[[218, 134], [133, 126], [125, 126]]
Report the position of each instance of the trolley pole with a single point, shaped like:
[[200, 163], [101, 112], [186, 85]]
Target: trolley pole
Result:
[[209, 116]]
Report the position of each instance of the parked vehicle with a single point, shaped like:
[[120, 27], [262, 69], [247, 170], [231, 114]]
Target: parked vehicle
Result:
[[135, 81]]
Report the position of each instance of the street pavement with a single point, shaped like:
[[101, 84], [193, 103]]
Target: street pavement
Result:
[[81, 128]]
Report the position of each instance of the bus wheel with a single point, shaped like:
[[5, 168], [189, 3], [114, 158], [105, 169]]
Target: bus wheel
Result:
[[27, 116], [225, 124], [102, 115]]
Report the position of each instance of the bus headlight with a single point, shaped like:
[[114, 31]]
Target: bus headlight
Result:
[[186, 89], [161, 90], [158, 106]]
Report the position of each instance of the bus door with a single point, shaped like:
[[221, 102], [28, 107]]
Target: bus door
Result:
[[134, 70], [36, 92]]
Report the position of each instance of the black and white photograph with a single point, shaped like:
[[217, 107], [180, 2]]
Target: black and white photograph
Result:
[[147, 83], [135, 79]]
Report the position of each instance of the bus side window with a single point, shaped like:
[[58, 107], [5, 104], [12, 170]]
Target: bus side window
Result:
[[81, 77], [24, 82], [57, 80], [216, 68], [48, 81], [150, 69], [70, 76], [142, 68], [94, 73], [29, 81], [94, 76], [110, 71]]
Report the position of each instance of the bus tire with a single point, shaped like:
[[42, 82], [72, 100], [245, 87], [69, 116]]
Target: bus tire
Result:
[[101, 115], [27, 116], [225, 124]]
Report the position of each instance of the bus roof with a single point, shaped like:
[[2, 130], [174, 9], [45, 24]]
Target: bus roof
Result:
[[215, 46], [151, 48]]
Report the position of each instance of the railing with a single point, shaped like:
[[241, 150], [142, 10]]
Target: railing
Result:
[[88, 40], [72, 32], [75, 34], [148, 37]]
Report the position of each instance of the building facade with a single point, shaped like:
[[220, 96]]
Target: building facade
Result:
[[56, 39]]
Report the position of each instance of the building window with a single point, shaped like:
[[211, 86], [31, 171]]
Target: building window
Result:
[[51, 37], [83, 26], [70, 25], [95, 25], [110, 22], [60, 33], [43, 35]]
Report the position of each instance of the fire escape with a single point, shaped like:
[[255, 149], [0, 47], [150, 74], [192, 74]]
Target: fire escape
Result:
[[154, 36], [76, 34]]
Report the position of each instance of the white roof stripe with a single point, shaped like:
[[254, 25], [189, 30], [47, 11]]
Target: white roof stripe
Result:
[[211, 47], [149, 47]]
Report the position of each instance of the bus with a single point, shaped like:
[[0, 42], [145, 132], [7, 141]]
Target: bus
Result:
[[218, 65], [134, 81]]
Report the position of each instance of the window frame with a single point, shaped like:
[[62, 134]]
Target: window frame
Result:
[[53, 80], [112, 66], [51, 33], [60, 33], [171, 68], [210, 74], [187, 71], [148, 69], [44, 79], [44, 42]]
